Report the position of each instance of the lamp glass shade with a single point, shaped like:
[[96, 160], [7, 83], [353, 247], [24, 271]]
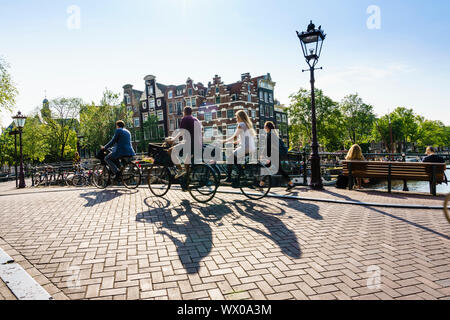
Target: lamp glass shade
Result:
[[19, 120]]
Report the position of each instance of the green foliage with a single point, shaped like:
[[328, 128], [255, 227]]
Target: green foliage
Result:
[[98, 122], [6, 148], [35, 140], [358, 119], [329, 121], [8, 91]]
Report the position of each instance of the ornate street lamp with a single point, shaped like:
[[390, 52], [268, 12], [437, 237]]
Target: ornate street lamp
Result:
[[311, 42], [19, 121]]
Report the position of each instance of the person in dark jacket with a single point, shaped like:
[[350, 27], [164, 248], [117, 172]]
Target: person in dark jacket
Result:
[[121, 143], [269, 127], [432, 157]]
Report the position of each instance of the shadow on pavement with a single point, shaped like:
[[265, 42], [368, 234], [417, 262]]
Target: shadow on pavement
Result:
[[195, 229], [283, 237], [97, 197]]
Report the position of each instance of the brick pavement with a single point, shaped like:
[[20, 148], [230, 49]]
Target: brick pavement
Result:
[[120, 244]]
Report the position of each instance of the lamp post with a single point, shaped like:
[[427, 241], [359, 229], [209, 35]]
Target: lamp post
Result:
[[15, 133], [311, 42], [19, 121]]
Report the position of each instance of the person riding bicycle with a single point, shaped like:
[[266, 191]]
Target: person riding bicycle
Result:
[[122, 147], [194, 127]]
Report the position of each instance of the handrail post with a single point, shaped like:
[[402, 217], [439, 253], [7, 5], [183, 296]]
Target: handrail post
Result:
[[405, 182]]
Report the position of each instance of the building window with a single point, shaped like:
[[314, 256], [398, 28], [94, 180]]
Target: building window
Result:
[[271, 112], [278, 118], [194, 103], [266, 97], [261, 110], [152, 104], [253, 113], [150, 90], [230, 113], [128, 99], [261, 95], [217, 90], [189, 92], [188, 102], [170, 107], [208, 116], [158, 102], [249, 97], [194, 114], [136, 123], [231, 130], [218, 100], [208, 132], [172, 125], [130, 108], [160, 116], [145, 117], [270, 98], [170, 94], [179, 108], [135, 109], [144, 105]]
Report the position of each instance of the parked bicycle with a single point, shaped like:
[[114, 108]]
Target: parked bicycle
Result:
[[50, 175], [200, 180], [129, 174], [82, 176]]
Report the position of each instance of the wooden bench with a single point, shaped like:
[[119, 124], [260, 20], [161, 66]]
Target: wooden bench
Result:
[[431, 172]]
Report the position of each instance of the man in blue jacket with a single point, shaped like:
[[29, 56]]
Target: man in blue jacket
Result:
[[121, 143]]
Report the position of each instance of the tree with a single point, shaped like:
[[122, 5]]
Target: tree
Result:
[[60, 117], [8, 91], [35, 144], [329, 120], [98, 122], [358, 119], [6, 148], [432, 133]]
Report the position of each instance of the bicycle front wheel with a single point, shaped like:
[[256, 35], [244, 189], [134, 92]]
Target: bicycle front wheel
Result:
[[78, 180], [203, 183], [252, 184], [100, 176], [131, 176], [159, 180]]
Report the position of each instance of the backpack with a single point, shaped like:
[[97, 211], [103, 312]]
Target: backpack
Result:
[[342, 182]]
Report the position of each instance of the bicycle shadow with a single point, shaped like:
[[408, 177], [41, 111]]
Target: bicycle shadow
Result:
[[278, 232], [94, 198], [195, 234]]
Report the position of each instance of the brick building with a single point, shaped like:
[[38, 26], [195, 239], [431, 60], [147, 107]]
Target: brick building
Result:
[[215, 106]]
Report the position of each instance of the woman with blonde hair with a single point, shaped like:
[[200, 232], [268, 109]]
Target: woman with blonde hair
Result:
[[355, 154], [245, 135]]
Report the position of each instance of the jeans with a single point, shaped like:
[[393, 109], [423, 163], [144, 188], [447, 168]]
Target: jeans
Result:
[[112, 161]]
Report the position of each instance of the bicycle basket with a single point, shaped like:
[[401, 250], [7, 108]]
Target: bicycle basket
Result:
[[160, 155]]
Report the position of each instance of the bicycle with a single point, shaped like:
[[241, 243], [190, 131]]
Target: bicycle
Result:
[[200, 180], [80, 177], [446, 207], [129, 173], [248, 178]]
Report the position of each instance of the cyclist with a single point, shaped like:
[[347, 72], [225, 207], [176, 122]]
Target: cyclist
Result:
[[194, 127], [121, 143], [246, 139]]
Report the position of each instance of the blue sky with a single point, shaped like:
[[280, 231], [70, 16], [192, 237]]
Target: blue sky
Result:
[[404, 63]]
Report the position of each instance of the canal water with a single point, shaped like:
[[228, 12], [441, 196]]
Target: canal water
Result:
[[417, 186]]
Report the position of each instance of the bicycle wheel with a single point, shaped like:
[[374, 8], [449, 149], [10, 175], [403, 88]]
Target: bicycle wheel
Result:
[[131, 176], [78, 180], [203, 183], [159, 180], [100, 176], [37, 178], [447, 207], [252, 184]]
